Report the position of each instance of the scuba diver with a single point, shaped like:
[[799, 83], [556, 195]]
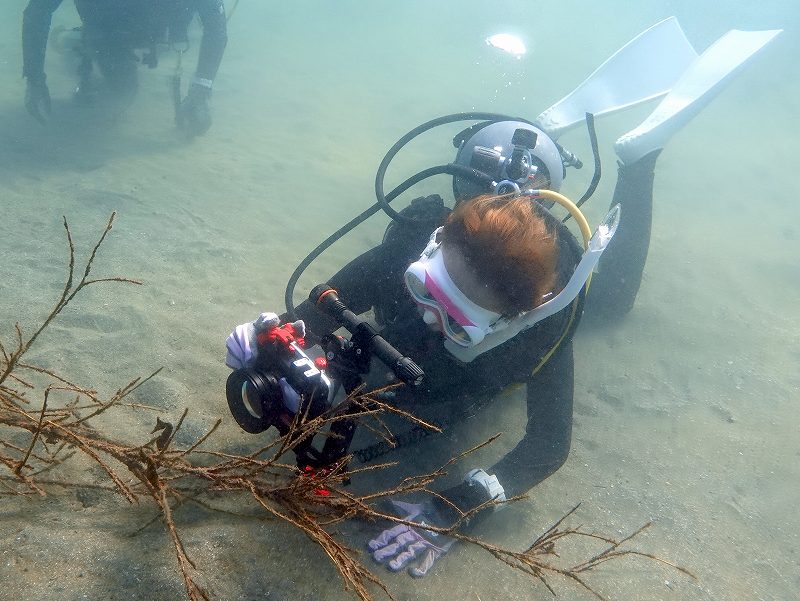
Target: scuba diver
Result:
[[490, 293], [111, 33]]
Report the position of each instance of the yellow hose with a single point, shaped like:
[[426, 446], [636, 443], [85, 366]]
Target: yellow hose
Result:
[[573, 209], [586, 232]]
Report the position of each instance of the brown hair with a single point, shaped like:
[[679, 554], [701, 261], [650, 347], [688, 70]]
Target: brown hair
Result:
[[509, 244]]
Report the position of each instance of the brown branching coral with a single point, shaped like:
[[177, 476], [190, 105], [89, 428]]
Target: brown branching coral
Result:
[[56, 417], [536, 560]]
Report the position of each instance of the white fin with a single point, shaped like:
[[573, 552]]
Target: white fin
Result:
[[643, 69], [703, 80]]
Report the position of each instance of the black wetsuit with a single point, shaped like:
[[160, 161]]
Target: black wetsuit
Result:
[[540, 357], [114, 27]]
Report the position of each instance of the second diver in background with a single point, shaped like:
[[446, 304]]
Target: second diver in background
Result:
[[112, 33]]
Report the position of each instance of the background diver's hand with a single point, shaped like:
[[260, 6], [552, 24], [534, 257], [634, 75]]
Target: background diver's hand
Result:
[[37, 98], [398, 546], [194, 114]]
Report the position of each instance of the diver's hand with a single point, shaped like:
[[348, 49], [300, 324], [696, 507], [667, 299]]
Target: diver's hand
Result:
[[397, 547], [194, 115], [37, 98], [242, 343]]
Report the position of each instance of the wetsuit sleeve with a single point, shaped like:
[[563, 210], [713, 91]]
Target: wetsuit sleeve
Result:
[[614, 288], [355, 284], [546, 442], [548, 432], [215, 37], [36, 21]]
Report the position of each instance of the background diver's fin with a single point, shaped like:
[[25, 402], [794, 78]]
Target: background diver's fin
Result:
[[703, 80], [643, 69]]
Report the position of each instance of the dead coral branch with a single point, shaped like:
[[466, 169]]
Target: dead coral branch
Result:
[[56, 430]]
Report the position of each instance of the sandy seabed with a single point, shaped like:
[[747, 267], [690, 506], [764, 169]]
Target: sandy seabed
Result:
[[686, 412]]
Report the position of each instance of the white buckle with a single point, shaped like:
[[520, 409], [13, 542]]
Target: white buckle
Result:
[[489, 483]]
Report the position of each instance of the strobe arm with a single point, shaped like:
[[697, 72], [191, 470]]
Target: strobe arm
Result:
[[327, 300]]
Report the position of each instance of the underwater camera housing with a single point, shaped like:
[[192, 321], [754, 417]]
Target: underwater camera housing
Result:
[[283, 381], [286, 385]]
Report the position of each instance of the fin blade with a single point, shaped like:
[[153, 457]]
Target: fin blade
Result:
[[643, 69], [701, 83]]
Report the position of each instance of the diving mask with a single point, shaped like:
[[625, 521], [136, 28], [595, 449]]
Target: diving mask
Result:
[[577, 282], [471, 329], [462, 321]]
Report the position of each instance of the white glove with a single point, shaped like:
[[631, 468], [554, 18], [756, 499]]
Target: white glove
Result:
[[242, 344]]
